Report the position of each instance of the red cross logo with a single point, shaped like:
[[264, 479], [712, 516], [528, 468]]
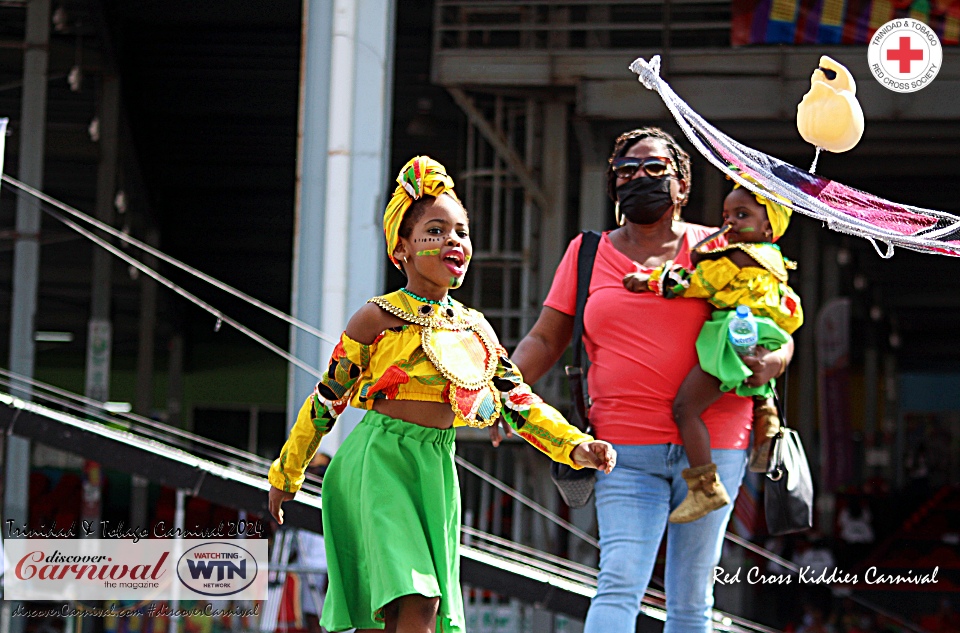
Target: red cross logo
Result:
[[905, 54]]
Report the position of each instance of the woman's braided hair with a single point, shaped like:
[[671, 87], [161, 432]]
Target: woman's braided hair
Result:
[[628, 139]]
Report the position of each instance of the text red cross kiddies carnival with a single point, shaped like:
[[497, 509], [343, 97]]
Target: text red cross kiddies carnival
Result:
[[905, 54]]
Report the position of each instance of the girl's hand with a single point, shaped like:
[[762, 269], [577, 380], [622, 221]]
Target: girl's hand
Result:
[[636, 282], [275, 500], [494, 430], [596, 454], [765, 365]]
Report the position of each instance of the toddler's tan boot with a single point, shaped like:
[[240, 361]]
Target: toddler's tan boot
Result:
[[766, 425], [704, 495]]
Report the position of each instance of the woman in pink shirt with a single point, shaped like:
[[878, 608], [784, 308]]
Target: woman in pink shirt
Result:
[[641, 347]]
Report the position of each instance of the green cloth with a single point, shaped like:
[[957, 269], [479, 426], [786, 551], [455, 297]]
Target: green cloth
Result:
[[391, 523], [719, 359]]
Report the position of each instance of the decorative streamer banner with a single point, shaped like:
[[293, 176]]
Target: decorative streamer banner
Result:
[[840, 207], [835, 21]]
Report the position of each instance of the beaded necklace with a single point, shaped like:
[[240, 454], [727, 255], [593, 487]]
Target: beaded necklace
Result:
[[446, 301]]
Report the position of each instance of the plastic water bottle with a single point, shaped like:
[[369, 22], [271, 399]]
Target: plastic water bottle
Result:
[[743, 332]]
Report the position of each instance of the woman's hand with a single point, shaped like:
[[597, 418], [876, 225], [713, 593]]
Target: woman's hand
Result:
[[494, 430], [765, 366], [275, 500], [595, 454]]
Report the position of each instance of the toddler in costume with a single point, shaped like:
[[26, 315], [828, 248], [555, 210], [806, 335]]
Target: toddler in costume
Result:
[[420, 363], [750, 271]]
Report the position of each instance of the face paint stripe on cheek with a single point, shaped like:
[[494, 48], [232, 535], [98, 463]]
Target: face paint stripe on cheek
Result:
[[434, 251], [747, 229]]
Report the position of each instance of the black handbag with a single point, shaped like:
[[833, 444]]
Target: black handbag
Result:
[[576, 486], [788, 492]]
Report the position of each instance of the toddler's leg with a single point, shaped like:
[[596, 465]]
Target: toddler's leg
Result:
[[766, 424], [698, 391], [705, 491]]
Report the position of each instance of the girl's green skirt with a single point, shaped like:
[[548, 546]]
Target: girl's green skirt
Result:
[[391, 523], [719, 359]]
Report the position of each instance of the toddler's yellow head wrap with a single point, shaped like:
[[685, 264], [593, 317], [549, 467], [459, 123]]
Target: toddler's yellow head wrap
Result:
[[778, 211], [421, 176]]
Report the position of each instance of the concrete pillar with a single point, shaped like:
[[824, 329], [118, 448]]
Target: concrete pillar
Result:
[[346, 100], [26, 261], [100, 331], [26, 251], [311, 183], [554, 182], [593, 179]]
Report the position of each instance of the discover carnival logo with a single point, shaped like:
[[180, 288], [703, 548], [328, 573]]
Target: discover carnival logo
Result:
[[217, 569], [905, 55], [122, 569]]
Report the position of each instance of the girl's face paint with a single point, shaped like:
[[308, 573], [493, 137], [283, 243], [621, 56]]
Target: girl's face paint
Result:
[[432, 271], [747, 217]]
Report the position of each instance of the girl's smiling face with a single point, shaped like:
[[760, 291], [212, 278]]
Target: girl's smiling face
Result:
[[747, 218], [437, 252]]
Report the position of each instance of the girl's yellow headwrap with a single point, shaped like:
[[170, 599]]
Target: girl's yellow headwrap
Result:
[[421, 176], [778, 211]]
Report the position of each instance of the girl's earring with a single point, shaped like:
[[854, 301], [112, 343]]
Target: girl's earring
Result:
[[616, 214]]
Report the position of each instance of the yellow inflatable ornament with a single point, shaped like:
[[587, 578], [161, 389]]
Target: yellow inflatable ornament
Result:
[[829, 116]]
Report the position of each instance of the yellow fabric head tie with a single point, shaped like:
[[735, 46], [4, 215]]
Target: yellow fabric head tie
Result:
[[778, 211], [421, 176]]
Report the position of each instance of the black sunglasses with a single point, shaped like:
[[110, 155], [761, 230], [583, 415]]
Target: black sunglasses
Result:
[[653, 166]]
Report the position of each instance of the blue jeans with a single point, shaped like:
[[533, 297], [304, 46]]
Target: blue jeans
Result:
[[633, 503]]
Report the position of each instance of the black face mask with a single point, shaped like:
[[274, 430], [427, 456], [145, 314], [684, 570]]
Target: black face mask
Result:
[[644, 200]]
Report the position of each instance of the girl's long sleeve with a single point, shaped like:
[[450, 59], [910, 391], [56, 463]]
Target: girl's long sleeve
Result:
[[533, 419], [320, 412]]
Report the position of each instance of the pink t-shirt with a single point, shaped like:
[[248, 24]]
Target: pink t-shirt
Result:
[[641, 347]]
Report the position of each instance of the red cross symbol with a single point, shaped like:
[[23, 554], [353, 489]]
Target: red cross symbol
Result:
[[905, 54]]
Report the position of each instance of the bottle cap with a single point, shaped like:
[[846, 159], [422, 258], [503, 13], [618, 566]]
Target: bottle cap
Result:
[[743, 311]]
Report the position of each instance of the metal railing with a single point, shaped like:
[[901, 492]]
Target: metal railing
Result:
[[578, 25]]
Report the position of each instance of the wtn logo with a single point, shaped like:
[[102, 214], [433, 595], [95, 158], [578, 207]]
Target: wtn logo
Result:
[[218, 569], [224, 569]]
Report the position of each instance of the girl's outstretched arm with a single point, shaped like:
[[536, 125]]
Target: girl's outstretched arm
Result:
[[322, 408], [543, 426]]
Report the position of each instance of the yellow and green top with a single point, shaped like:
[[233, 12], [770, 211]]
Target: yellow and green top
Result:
[[763, 288], [442, 353]]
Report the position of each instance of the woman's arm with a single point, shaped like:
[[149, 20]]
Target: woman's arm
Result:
[[544, 345]]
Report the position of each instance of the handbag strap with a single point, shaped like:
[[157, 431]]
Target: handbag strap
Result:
[[585, 258], [781, 403]]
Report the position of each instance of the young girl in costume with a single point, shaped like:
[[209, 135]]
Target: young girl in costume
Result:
[[750, 271], [420, 363]]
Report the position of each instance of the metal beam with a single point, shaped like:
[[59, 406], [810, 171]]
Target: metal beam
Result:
[[501, 146]]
